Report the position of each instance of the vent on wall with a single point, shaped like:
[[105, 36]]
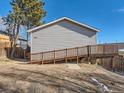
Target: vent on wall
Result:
[[35, 37]]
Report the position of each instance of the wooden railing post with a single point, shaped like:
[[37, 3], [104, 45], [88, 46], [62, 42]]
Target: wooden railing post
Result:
[[54, 57], [88, 51], [77, 56], [66, 57], [42, 57]]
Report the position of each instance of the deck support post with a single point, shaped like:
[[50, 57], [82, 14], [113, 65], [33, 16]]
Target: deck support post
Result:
[[77, 59], [66, 60], [88, 54], [89, 60]]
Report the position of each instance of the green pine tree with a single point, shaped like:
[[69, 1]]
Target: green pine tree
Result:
[[27, 13]]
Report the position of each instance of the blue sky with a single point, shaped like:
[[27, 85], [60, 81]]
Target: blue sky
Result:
[[107, 15]]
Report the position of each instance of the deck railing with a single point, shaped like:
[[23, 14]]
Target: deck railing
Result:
[[74, 53]]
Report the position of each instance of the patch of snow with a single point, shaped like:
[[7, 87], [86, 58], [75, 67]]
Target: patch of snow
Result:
[[121, 50], [103, 88]]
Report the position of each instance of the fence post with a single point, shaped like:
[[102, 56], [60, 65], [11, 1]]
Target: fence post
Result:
[[103, 49], [123, 65], [113, 64]]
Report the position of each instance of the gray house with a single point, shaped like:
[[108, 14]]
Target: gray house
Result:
[[61, 34]]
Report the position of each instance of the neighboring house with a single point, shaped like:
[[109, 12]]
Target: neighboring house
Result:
[[22, 43], [4, 38], [61, 34]]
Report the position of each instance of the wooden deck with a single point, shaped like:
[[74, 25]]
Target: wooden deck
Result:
[[77, 53]]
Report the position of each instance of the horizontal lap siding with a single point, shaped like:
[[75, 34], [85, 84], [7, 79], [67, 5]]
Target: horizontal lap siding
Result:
[[61, 36]]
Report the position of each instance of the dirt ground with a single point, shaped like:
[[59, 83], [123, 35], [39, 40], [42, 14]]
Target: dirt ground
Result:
[[18, 77]]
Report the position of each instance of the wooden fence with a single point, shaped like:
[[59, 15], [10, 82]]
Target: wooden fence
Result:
[[5, 50], [75, 53], [5, 44], [115, 63], [118, 64]]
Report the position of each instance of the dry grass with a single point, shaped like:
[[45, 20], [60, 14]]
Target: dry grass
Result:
[[16, 77]]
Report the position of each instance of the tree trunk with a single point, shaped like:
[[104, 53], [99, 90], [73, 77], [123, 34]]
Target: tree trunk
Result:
[[12, 36], [15, 40], [28, 27], [27, 39]]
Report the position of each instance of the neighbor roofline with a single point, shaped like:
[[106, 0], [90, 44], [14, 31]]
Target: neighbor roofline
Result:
[[64, 18]]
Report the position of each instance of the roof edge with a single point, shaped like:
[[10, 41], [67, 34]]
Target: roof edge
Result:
[[64, 18]]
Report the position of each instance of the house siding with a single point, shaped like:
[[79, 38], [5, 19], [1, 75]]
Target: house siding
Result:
[[60, 36]]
